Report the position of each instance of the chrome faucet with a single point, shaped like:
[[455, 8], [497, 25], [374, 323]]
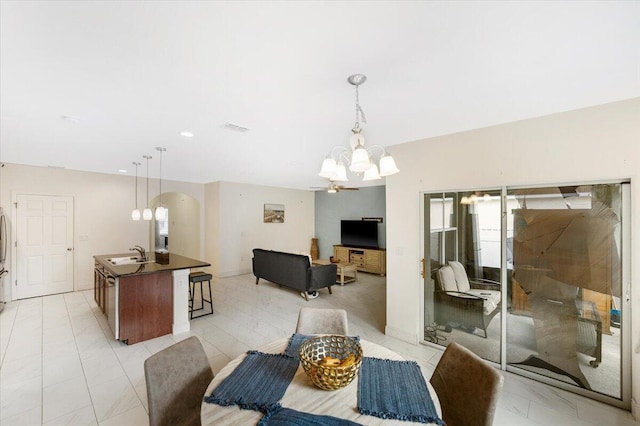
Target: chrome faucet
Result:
[[141, 251]]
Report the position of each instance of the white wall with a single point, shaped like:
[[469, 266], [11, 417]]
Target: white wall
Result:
[[211, 235], [591, 144], [103, 205], [238, 224]]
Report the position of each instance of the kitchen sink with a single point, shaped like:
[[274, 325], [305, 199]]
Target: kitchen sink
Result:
[[128, 260]]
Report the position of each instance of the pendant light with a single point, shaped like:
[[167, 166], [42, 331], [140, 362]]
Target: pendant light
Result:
[[161, 212], [146, 214], [135, 214]]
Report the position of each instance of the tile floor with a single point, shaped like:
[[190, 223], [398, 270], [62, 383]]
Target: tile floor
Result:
[[61, 365]]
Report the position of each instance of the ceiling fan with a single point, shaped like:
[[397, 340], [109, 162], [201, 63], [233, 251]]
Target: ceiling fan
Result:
[[333, 188]]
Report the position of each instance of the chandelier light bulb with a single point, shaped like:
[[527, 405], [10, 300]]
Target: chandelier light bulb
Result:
[[135, 214], [388, 166], [341, 174], [147, 214], [328, 168], [360, 160], [371, 173]]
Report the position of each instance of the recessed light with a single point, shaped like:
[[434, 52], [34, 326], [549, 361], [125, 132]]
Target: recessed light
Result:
[[186, 134], [122, 171]]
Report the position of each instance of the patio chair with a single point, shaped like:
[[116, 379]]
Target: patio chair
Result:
[[467, 386], [177, 378], [462, 303]]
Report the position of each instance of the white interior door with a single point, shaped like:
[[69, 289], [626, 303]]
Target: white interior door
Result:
[[44, 245]]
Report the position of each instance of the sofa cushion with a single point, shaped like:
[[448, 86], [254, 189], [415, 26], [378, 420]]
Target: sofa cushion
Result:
[[308, 255], [447, 279], [491, 299], [461, 276]]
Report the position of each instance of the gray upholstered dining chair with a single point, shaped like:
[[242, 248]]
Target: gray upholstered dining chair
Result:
[[467, 386], [322, 321], [177, 378]]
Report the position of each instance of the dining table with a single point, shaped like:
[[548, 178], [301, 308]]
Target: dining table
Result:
[[302, 395]]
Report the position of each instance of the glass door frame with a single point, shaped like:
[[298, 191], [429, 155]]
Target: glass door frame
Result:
[[625, 300]]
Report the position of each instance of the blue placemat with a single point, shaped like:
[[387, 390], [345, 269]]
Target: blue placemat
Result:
[[296, 340], [280, 416], [294, 345], [257, 383], [395, 390]]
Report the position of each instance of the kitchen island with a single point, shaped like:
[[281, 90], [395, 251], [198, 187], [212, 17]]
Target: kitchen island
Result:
[[144, 298]]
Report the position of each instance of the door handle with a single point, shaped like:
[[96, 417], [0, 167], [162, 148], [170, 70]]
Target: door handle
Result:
[[69, 248], [423, 272]]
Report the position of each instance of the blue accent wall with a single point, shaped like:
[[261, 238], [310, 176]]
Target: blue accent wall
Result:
[[330, 209]]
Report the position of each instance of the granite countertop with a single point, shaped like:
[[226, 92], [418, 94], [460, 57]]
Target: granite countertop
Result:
[[175, 262]]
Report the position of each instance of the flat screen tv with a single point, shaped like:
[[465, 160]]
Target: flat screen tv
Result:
[[359, 233]]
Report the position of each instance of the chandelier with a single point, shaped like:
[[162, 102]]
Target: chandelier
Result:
[[358, 158]]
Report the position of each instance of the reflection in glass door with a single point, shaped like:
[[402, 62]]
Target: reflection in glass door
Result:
[[560, 257], [462, 289], [440, 219], [564, 320]]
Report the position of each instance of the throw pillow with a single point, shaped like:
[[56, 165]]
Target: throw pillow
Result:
[[461, 276], [447, 279]]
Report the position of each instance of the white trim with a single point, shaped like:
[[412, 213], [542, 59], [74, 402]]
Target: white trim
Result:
[[181, 301], [401, 335]]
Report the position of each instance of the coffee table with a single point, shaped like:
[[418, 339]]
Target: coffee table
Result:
[[347, 272]]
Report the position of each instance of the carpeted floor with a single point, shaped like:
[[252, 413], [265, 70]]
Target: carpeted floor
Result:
[[521, 343]]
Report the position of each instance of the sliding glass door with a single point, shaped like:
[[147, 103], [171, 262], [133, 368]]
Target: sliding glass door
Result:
[[567, 282], [462, 288], [551, 262]]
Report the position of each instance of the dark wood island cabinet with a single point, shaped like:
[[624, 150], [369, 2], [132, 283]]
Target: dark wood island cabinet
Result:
[[146, 306], [146, 300]]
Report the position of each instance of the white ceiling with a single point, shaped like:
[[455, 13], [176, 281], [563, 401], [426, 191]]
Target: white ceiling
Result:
[[132, 75]]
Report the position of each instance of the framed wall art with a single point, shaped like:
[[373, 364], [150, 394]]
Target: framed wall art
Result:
[[274, 213]]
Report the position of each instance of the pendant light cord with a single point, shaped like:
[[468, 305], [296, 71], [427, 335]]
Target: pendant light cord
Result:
[[160, 149], [148, 157], [136, 203]]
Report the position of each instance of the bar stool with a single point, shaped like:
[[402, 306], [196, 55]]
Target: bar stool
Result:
[[199, 278]]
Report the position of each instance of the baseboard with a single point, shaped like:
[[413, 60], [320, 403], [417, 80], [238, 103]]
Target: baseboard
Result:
[[635, 409], [226, 274], [181, 328], [401, 335]]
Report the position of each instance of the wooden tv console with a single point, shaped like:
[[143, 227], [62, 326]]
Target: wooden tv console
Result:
[[366, 260]]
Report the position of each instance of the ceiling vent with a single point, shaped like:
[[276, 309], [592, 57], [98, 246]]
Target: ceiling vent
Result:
[[235, 127]]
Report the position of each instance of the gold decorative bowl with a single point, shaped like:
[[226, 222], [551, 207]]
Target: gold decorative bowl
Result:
[[315, 349]]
